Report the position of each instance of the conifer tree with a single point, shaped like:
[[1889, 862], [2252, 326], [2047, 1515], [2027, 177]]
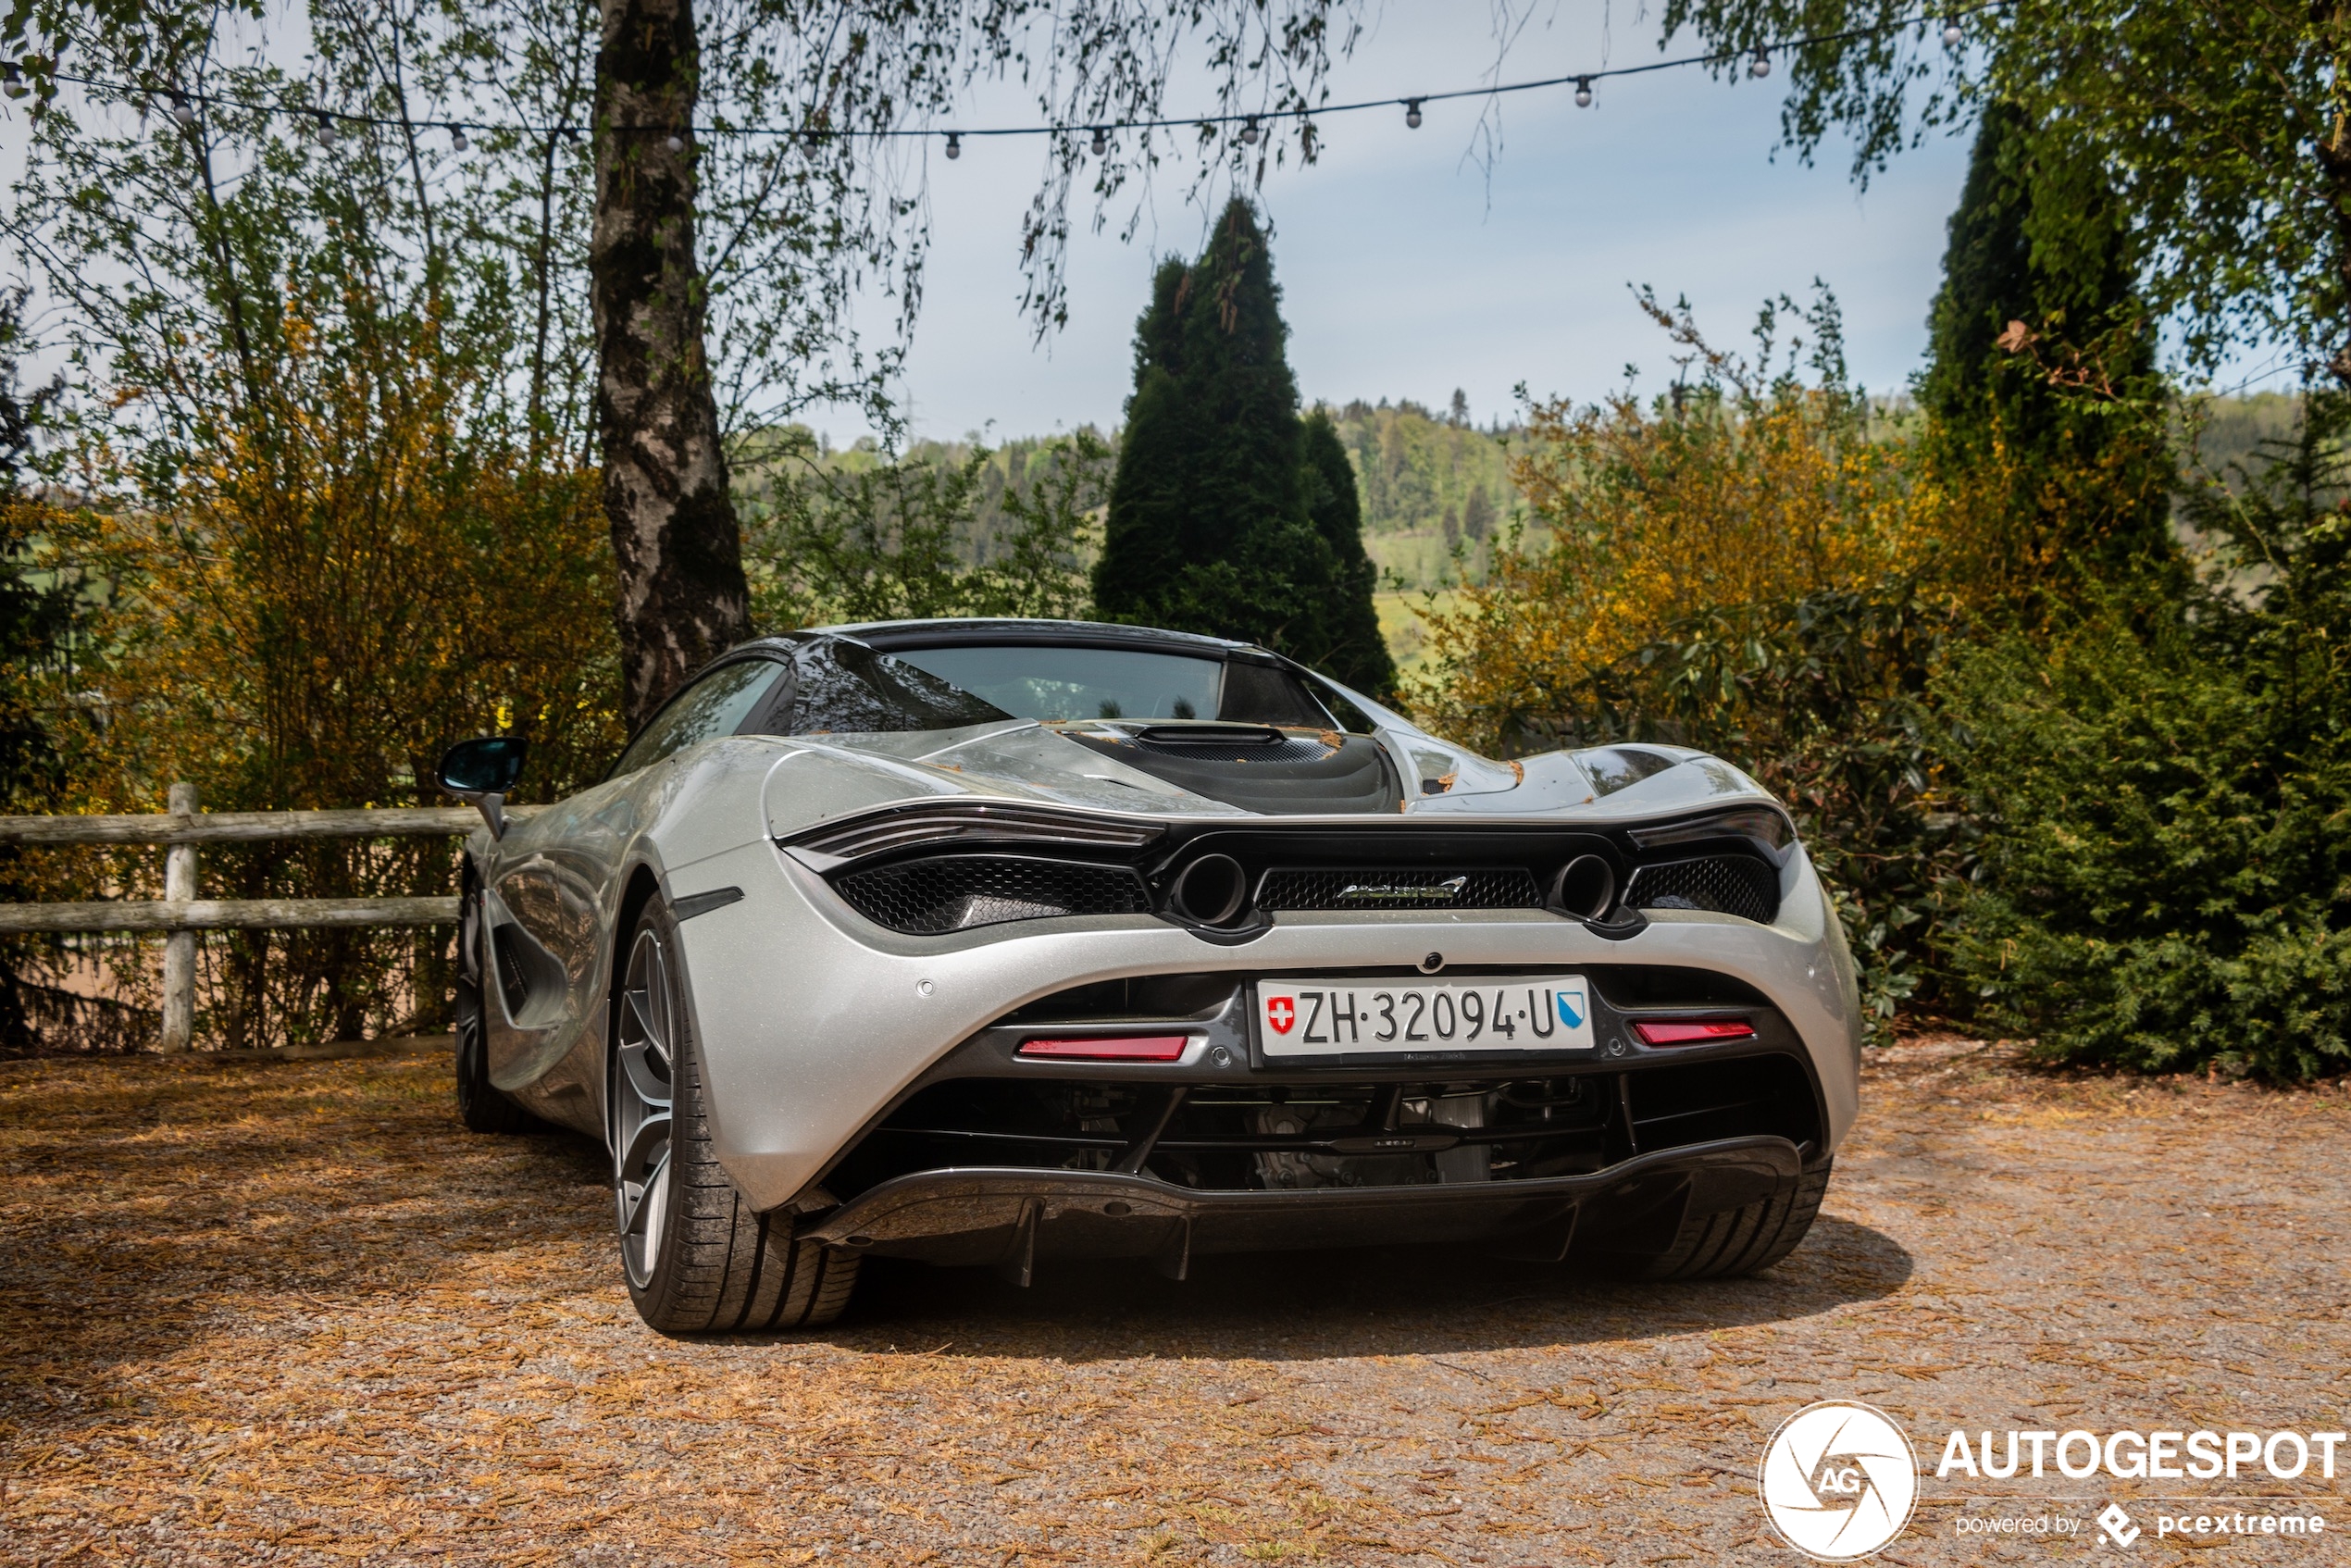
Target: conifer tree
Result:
[[1477, 515], [2057, 410], [1357, 654], [1208, 527]]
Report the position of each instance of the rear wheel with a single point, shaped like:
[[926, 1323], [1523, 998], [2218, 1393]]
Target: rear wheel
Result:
[[697, 1257], [1735, 1241]]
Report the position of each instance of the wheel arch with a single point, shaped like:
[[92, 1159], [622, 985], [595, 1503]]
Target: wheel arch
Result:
[[643, 887]]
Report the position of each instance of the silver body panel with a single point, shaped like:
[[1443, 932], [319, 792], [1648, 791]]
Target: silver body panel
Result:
[[811, 1018]]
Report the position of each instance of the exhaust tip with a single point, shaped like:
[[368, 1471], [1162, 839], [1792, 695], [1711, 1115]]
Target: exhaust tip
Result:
[[1586, 888], [1212, 891]]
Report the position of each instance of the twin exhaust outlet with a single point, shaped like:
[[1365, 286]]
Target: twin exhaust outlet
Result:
[[1213, 891]]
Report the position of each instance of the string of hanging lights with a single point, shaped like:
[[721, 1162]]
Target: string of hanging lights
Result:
[[328, 126]]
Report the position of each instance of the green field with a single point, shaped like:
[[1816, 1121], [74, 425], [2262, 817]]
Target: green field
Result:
[[1401, 624]]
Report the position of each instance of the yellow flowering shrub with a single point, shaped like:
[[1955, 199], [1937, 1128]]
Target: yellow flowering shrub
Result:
[[1757, 565], [362, 568], [1644, 517]]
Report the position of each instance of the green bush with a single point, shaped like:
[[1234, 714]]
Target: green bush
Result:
[[1823, 699], [2166, 789]]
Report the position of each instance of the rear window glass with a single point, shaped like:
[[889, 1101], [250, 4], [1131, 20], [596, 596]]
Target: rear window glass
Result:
[[1048, 681], [1035, 681], [847, 688]]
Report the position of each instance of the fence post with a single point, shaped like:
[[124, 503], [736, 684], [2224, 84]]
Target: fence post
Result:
[[180, 947]]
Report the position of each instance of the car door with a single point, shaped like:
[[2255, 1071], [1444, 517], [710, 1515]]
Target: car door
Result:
[[552, 886]]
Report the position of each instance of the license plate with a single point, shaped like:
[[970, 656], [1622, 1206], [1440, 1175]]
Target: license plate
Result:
[[1326, 1018]]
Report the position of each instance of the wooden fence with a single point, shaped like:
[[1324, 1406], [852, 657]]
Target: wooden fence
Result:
[[180, 915]]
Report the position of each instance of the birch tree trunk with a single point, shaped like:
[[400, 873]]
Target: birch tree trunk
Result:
[[683, 596]]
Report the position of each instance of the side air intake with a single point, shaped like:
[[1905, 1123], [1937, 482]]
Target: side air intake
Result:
[[1724, 884]]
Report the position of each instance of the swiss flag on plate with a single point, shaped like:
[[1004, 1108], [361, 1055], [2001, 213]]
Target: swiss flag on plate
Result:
[[1281, 1014]]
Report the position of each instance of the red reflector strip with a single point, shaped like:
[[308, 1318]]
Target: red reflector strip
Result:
[[1114, 1048], [1687, 1031]]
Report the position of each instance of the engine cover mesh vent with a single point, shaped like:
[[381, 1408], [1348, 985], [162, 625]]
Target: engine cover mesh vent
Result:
[[1418, 888], [1260, 770], [1269, 745], [1725, 884], [957, 892]]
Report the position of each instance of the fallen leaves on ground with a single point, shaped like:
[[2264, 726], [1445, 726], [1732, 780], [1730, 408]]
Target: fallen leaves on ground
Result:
[[293, 1314]]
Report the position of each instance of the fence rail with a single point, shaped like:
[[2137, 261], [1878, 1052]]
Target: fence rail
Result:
[[213, 826], [180, 915], [225, 914]]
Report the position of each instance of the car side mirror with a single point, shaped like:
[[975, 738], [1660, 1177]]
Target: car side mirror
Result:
[[482, 771]]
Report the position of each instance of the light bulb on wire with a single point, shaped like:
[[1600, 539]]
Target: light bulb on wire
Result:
[[1583, 91], [1249, 132], [182, 110], [1101, 142], [326, 130], [457, 140], [12, 80], [1953, 33], [674, 143], [1412, 114], [1761, 66], [954, 147]]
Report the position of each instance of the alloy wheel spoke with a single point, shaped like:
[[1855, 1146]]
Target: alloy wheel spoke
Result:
[[653, 985], [642, 1092], [650, 1088], [648, 1145], [635, 1198], [642, 1023]]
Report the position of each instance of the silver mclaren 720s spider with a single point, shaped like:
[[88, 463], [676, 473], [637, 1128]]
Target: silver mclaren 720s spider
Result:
[[977, 942]]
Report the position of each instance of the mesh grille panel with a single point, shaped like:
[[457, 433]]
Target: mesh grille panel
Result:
[[957, 892], [1726, 884], [1420, 887]]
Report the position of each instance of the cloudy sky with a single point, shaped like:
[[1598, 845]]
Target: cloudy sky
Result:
[[1408, 272]]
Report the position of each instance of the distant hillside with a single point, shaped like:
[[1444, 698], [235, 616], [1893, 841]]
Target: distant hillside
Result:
[[1431, 478], [1009, 465], [2234, 429], [1428, 480]]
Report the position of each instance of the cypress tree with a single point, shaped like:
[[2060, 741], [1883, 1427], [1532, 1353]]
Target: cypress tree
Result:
[[1357, 654], [2040, 238], [1208, 528]]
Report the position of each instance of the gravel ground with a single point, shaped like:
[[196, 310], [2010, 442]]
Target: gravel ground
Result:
[[291, 1314]]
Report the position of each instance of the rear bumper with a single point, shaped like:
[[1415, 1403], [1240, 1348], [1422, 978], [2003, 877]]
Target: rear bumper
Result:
[[813, 1022], [1011, 1216]]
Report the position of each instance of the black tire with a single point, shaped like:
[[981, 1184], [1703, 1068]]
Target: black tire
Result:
[[480, 1106], [1736, 1242], [697, 1259]]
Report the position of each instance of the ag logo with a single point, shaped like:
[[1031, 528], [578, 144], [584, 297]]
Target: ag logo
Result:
[[1839, 1480]]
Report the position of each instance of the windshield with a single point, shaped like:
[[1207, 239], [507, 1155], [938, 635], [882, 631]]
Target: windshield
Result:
[[1038, 681]]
